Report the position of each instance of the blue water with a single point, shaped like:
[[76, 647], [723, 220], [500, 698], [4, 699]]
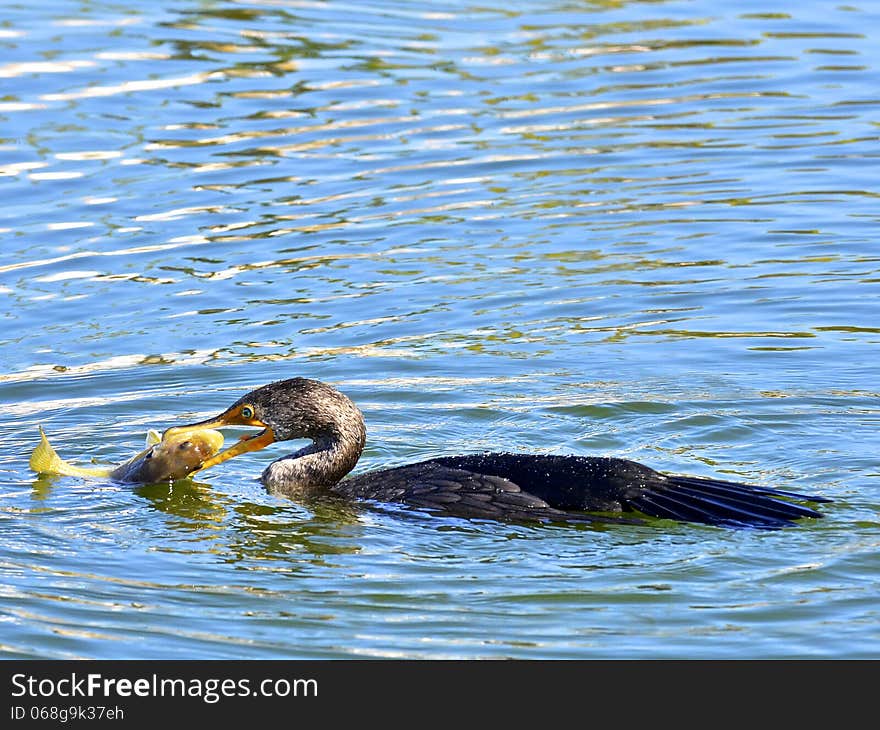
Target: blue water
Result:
[[646, 230]]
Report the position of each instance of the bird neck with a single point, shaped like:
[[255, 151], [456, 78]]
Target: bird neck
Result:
[[322, 463]]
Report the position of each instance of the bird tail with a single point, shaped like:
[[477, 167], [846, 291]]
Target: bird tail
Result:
[[731, 504]]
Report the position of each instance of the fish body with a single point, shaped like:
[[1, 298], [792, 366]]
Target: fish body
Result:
[[163, 460]]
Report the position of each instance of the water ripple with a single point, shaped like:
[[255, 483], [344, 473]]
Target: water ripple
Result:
[[625, 228]]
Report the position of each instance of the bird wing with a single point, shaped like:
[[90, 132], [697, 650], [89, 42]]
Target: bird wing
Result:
[[462, 493]]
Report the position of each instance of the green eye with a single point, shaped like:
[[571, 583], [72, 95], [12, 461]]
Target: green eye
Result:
[[247, 412]]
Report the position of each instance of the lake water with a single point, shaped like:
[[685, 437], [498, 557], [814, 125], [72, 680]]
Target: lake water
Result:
[[642, 229]]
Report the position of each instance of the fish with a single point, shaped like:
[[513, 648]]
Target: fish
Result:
[[163, 460]]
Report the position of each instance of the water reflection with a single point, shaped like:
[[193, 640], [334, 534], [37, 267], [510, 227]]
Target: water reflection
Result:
[[193, 502], [43, 485], [244, 531]]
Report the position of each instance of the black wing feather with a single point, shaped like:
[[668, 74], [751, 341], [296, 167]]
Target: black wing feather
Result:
[[462, 493]]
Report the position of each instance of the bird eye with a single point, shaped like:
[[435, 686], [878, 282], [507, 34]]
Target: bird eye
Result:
[[247, 412]]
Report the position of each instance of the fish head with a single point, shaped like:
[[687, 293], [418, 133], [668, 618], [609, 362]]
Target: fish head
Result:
[[175, 457]]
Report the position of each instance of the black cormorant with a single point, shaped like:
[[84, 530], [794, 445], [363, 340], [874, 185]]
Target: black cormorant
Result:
[[519, 487]]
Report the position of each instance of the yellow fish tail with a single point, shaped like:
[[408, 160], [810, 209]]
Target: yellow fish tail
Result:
[[44, 460]]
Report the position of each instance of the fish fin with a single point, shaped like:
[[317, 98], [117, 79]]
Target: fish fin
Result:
[[153, 437], [45, 460]]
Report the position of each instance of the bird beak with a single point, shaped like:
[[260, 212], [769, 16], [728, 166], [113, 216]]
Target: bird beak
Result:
[[242, 446]]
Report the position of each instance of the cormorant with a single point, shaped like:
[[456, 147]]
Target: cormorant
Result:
[[506, 486]]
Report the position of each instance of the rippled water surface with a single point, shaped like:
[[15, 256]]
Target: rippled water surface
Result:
[[642, 229]]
